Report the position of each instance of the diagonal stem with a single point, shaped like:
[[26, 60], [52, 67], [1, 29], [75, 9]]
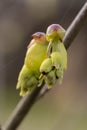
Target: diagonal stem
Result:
[[21, 110], [75, 26], [28, 101]]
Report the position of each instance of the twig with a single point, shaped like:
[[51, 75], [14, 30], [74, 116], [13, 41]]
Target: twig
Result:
[[75, 26], [27, 102], [21, 110], [43, 92]]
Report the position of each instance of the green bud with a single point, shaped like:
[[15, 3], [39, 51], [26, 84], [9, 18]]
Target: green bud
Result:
[[59, 75], [46, 66], [55, 30], [50, 79], [56, 59]]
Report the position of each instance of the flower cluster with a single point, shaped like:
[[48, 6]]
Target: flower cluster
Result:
[[45, 60]]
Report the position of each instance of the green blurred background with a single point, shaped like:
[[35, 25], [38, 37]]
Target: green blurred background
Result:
[[65, 106]]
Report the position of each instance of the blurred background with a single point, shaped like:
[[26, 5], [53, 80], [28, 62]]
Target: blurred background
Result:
[[65, 106]]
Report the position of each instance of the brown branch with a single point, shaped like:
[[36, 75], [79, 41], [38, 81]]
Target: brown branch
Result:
[[21, 110], [75, 26], [27, 102]]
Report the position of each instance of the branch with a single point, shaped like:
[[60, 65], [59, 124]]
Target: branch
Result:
[[75, 26], [21, 110], [27, 102]]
